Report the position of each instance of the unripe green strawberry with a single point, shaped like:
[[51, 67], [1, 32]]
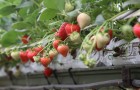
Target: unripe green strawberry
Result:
[[127, 31], [90, 62], [75, 37], [87, 45], [82, 57]]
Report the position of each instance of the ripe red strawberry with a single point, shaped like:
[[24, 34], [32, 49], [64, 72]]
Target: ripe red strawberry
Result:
[[48, 71], [25, 39], [70, 28], [56, 43], [45, 61], [62, 32], [136, 30], [63, 50], [31, 54], [110, 32], [23, 56], [28, 50], [38, 49]]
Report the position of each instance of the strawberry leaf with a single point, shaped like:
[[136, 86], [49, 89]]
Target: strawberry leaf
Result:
[[55, 4], [47, 14]]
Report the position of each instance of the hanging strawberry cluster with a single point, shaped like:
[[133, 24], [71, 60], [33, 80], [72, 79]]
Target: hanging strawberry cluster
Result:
[[68, 37]]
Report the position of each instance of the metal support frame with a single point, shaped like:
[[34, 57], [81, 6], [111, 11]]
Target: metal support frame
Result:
[[122, 77], [75, 87], [126, 77], [56, 77], [49, 83], [71, 75]]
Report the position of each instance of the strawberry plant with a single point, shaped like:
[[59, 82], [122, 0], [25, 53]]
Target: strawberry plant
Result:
[[63, 25]]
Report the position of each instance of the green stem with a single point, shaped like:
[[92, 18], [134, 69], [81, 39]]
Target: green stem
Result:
[[92, 46], [45, 48], [87, 37], [111, 19], [98, 30]]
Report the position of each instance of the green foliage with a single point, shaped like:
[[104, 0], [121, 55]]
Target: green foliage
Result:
[[13, 2], [55, 4], [31, 18], [7, 10], [38, 18], [10, 38], [47, 14], [25, 4], [21, 25]]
